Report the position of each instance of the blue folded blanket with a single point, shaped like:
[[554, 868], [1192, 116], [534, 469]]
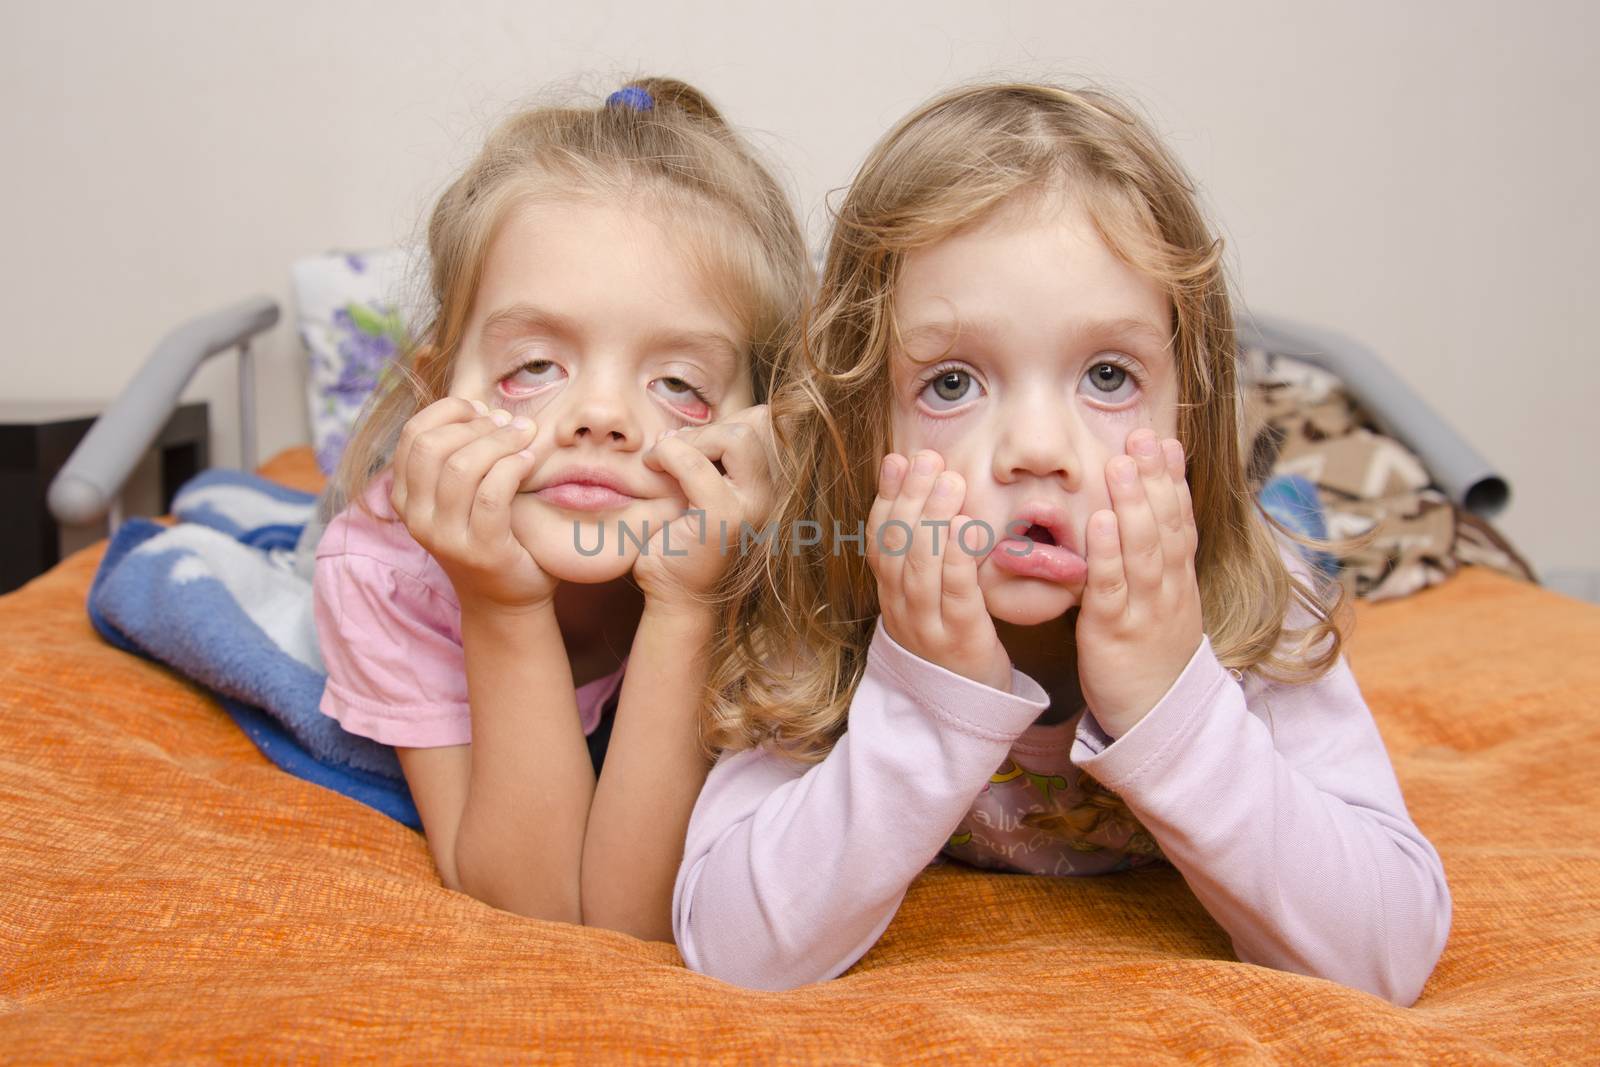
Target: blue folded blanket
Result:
[[217, 598]]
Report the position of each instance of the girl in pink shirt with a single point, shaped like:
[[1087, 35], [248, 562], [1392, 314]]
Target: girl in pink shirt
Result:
[[530, 487], [1044, 628]]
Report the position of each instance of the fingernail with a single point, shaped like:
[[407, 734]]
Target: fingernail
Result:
[[480, 407], [522, 422], [500, 416], [925, 463], [1124, 470], [944, 485], [1144, 445]]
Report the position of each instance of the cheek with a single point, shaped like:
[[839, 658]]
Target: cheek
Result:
[[905, 432], [466, 382], [737, 397]]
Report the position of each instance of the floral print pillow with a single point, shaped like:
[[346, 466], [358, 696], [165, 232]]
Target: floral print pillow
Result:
[[352, 319]]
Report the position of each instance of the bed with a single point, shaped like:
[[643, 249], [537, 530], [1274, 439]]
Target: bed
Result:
[[167, 893]]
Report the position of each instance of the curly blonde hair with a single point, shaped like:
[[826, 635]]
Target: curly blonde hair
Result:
[[802, 616], [680, 153]]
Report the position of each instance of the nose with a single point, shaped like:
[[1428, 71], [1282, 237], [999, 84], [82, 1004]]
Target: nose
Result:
[[1036, 437], [595, 409]]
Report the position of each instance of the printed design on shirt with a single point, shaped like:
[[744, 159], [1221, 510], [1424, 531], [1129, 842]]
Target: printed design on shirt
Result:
[[1049, 821], [1100, 815], [1011, 770]]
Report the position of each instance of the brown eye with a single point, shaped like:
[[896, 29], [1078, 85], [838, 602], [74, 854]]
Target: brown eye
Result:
[[533, 376], [685, 399]]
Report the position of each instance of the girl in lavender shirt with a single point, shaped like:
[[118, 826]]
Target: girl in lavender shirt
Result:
[[1068, 643]]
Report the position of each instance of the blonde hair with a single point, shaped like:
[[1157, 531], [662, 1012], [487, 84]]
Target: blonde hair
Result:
[[805, 612], [680, 151]]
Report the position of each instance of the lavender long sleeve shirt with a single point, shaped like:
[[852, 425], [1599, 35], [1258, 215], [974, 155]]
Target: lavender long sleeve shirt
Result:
[[1276, 802]]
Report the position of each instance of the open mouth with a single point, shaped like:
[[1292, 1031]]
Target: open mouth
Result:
[[1041, 549]]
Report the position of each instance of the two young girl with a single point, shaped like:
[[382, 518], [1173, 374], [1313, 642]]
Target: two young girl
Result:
[[1043, 630]]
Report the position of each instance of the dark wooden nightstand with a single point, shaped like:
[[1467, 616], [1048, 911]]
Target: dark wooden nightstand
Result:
[[36, 439]]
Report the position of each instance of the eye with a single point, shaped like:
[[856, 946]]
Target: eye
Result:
[[949, 388], [685, 399], [1110, 382], [531, 377]]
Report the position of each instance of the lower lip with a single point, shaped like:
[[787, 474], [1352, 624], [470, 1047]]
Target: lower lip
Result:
[[580, 496], [1030, 559]]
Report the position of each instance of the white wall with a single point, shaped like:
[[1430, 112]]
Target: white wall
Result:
[[1419, 175]]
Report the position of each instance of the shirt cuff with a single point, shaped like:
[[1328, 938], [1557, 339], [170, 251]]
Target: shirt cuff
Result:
[[957, 701], [1117, 763], [400, 727]]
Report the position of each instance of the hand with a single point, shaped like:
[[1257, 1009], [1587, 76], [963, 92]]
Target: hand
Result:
[[456, 470], [929, 599], [1140, 621], [686, 559]]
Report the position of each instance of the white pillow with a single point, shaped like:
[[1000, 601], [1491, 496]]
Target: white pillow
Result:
[[353, 310]]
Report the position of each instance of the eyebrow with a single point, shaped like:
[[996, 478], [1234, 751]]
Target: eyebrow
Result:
[[519, 318], [949, 332], [523, 318], [707, 343]]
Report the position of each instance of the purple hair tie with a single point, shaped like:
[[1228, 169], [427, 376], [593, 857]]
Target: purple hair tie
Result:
[[631, 96]]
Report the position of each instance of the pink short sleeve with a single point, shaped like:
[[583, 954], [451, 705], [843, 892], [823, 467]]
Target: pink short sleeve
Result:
[[390, 631], [389, 626], [395, 674]]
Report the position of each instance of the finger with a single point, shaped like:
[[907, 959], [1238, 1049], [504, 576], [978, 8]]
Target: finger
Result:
[[1136, 525], [740, 448], [1105, 590], [924, 563], [901, 535], [960, 596], [1180, 481], [702, 486], [1150, 457], [735, 446], [757, 416], [465, 468], [882, 542], [426, 459], [438, 413], [490, 519], [926, 466]]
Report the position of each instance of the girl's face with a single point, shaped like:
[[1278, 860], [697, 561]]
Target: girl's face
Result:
[[1030, 353], [591, 321]]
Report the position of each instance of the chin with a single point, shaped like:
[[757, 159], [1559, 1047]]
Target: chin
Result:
[[1027, 601], [586, 548]]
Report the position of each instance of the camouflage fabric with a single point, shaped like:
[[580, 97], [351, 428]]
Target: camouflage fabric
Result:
[[1299, 420]]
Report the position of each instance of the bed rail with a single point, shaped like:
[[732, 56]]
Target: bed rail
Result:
[[1459, 470], [90, 483]]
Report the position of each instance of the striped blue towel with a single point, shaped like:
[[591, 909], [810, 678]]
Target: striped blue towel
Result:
[[217, 598]]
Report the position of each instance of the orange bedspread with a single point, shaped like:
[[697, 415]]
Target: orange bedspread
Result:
[[166, 892]]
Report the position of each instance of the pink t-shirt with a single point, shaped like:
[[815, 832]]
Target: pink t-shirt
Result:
[[389, 625]]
